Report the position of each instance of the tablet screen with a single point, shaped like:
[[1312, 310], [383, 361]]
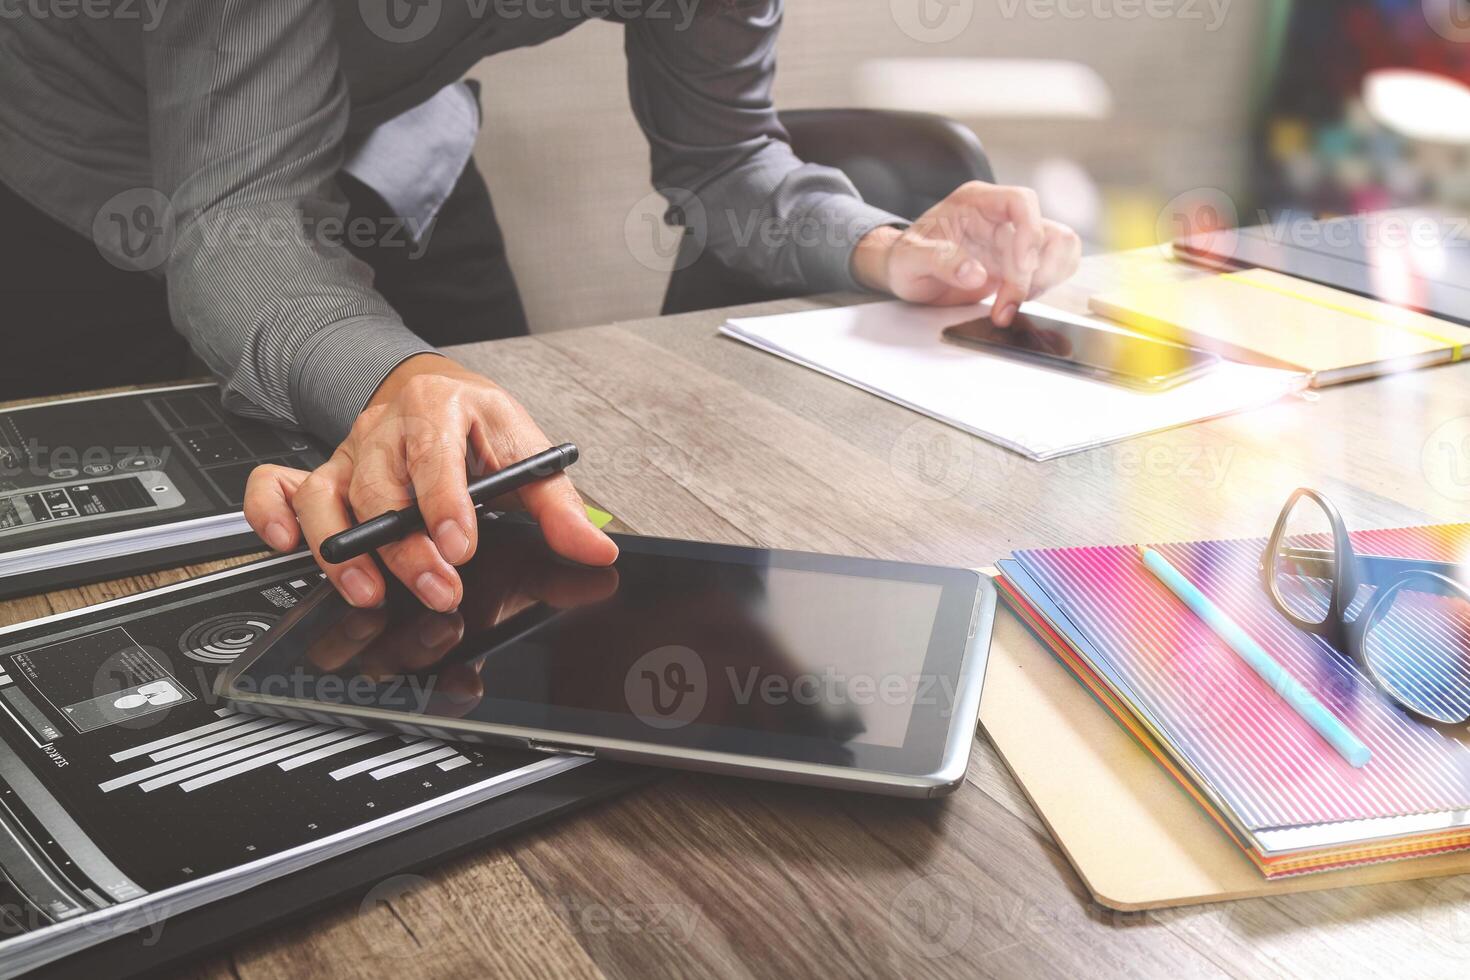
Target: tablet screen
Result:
[[804, 657]]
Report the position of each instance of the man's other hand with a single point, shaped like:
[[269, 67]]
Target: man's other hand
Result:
[[979, 242]]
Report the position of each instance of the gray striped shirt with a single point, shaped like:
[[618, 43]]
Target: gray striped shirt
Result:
[[201, 139]]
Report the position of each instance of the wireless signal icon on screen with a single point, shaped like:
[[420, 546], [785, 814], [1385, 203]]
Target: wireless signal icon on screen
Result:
[[222, 639]]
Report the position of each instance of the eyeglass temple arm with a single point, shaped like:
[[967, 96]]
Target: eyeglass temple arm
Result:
[[1381, 567]]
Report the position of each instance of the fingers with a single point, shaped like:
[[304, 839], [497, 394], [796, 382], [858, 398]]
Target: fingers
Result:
[[410, 446], [1017, 206], [1018, 239], [380, 483], [499, 594], [1016, 285], [1059, 259], [571, 588], [416, 645], [268, 507], [458, 689], [417, 454], [952, 265], [508, 434], [322, 510], [348, 637], [939, 270], [435, 454], [411, 647], [559, 509]]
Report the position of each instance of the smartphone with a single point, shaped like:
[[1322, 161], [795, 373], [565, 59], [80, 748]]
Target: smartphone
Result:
[[81, 501], [1117, 358]]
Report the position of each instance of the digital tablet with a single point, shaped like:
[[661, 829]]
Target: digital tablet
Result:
[[843, 672]]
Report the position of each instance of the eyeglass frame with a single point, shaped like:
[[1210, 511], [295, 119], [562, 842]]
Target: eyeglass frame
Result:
[[1352, 572]]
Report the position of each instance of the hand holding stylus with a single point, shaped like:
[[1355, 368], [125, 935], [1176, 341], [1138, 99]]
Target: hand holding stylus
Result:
[[416, 444], [395, 525]]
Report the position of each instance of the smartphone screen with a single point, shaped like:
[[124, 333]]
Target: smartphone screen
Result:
[[1120, 358]]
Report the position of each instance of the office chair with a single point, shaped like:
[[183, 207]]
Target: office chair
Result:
[[903, 162]]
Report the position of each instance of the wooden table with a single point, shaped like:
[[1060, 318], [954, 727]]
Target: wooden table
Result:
[[686, 434]]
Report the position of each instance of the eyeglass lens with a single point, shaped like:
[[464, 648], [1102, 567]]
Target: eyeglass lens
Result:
[[1304, 566], [1418, 645]]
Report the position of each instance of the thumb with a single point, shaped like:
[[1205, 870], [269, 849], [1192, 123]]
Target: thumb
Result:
[[559, 509], [945, 263]]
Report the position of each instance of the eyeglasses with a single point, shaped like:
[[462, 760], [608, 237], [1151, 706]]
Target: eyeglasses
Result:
[[1405, 622]]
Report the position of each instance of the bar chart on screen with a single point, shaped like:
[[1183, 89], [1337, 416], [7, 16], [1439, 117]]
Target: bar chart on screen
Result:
[[235, 744], [130, 794]]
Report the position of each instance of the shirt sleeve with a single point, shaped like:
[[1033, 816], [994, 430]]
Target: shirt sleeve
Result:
[[700, 81], [247, 113]]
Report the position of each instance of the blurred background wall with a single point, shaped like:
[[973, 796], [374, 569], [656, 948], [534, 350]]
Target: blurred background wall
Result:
[[1111, 108]]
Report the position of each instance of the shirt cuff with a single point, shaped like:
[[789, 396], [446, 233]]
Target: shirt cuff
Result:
[[335, 373], [826, 262]]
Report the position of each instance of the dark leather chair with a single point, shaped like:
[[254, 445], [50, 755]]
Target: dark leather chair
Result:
[[903, 162]]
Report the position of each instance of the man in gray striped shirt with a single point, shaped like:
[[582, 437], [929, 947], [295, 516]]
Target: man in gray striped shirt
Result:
[[215, 150]]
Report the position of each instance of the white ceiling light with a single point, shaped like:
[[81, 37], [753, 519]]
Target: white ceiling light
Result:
[[985, 88], [1419, 105]]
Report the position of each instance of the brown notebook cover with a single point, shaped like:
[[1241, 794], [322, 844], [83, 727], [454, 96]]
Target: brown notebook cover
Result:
[[1135, 837]]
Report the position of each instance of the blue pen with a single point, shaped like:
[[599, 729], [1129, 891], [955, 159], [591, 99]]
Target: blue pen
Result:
[[1314, 712]]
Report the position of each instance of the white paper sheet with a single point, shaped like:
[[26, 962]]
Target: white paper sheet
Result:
[[895, 351]]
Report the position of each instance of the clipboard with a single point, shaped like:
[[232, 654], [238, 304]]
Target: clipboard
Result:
[[1133, 835]]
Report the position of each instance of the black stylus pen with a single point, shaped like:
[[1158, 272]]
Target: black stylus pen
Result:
[[390, 527]]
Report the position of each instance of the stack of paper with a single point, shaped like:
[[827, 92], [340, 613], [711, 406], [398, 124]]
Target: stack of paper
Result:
[[1286, 797], [895, 350]]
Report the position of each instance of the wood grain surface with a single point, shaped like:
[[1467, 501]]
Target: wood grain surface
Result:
[[686, 434]]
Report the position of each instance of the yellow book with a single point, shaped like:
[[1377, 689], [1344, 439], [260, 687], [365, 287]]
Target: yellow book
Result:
[[1264, 317]]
